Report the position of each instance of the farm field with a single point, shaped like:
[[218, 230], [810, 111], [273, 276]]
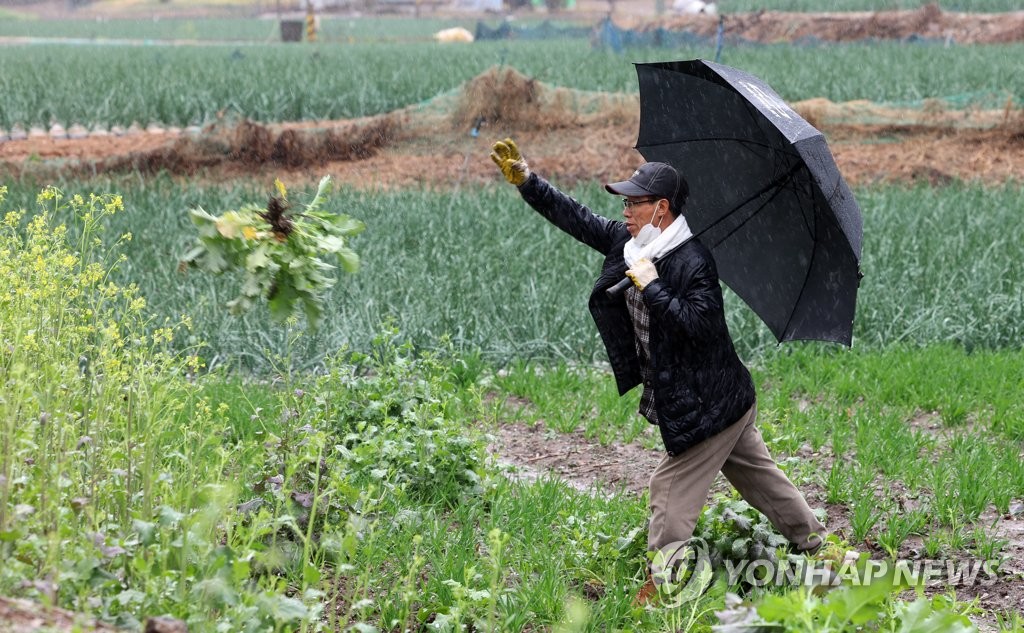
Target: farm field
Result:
[[447, 451], [287, 83]]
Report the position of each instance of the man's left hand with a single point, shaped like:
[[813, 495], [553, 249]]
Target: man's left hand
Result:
[[642, 273]]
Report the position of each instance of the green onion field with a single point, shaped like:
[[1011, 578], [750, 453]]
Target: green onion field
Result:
[[164, 457]]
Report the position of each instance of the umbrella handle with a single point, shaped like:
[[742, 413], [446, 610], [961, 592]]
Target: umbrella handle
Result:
[[619, 288]]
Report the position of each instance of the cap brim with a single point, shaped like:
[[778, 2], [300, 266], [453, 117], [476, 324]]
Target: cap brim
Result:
[[626, 188]]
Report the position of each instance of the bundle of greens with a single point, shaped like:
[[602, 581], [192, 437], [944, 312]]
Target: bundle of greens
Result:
[[283, 253]]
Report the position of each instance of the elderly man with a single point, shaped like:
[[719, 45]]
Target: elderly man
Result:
[[668, 332]]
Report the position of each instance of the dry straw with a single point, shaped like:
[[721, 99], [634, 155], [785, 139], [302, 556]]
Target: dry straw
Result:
[[506, 98], [251, 144]]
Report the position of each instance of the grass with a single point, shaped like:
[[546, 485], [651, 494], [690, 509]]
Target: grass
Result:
[[10, 16], [792, 380], [130, 7], [861, 413], [941, 265], [107, 85], [344, 30], [153, 30], [134, 483], [222, 29]]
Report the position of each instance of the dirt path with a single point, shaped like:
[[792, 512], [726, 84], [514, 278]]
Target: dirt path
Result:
[[25, 616], [928, 22], [568, 136], [533, 452], [581, 462]]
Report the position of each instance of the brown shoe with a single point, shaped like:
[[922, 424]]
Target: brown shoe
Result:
[[648, 593]]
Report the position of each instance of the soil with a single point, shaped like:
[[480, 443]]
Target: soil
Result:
[[24, 616], [929, 23], [533, 452], [568, 136]]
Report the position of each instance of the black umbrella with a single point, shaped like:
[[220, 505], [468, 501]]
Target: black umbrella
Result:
[[765, 194]]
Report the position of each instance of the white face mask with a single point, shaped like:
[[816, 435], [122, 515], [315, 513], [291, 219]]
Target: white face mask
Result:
[[648, 234]]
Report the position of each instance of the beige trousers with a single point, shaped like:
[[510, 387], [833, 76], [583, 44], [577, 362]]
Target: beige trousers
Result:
[[680, 485]]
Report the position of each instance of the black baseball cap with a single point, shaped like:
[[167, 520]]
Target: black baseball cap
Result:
[[653, 179]]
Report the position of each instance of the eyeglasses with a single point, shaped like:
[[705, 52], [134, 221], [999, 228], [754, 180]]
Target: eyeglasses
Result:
[[629, 204]]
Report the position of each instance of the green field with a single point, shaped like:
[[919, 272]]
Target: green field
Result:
[[360, 495], [472, 265], [159, 456], [336, 30], [347, 29], [106, 85]]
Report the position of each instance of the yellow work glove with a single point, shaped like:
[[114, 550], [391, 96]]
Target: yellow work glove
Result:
[[507, 157], [642, 273]]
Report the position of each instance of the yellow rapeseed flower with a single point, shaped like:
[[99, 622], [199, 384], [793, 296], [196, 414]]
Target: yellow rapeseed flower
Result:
[[114, 205], [13, 218], [28, 342], [36, 226]]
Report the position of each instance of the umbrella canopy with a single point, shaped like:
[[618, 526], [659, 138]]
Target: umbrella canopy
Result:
[[765, 194]]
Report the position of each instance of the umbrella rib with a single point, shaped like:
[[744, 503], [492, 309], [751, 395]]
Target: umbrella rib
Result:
[[775, 184], [803, 287]]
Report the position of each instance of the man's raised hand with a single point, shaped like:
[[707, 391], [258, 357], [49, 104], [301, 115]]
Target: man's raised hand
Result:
[[506, 156]]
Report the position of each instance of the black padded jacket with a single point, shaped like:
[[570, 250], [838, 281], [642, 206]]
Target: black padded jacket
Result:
[[700, 385]]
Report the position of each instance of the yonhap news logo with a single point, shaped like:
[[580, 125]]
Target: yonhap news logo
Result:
[[683, 570], [800, 570]]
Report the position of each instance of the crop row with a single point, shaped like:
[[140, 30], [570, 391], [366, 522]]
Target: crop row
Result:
[[941, 265], [349, 29], [93, 84], [339, 30]]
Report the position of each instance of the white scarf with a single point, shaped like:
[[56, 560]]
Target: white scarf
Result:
[[673, 235]]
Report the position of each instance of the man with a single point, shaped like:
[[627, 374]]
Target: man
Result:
[[668, 331]]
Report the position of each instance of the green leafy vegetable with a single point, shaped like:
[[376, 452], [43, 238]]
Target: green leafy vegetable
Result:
[[285, 255]]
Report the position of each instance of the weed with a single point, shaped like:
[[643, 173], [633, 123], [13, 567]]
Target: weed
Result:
[[984, 545], [837, 484], [864, 517], [933, 544], [1010, 622], [282, 254], [953, 536], [899, 525], [851, 608]]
